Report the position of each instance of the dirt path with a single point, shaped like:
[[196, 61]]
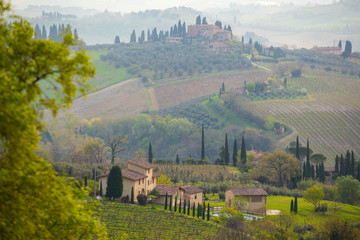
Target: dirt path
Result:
[[154, 105]]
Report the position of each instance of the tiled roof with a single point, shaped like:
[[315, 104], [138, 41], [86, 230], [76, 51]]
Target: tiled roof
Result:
[[191, 189], [140, 163], [249, 191], [169, 189], [132, 175]]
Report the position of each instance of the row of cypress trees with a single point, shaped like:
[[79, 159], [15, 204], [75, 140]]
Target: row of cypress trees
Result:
[[294, 205], [200, 210], [346, 166]]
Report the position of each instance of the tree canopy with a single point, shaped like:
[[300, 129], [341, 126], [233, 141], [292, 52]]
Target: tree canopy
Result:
[[47, 206], [114, 187]]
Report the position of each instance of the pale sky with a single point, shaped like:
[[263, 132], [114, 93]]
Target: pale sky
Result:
[[137, 5]]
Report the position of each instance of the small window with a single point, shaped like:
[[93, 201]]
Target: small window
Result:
[[195, 196], [148, 182]]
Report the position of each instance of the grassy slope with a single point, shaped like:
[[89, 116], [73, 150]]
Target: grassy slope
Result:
[[135, 222], [306, 210]]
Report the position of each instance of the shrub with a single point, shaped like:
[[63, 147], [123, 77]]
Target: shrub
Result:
[[221, 195], [142, 200], [296, 73], [321, 208]]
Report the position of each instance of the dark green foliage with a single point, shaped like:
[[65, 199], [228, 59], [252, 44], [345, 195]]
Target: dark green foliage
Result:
[[133, 37], [117, 40], [188, 210], [243, 151], [218, 23], [292, 206], [296, 73], [166, 200], [204, 22], [101, 189], [305, 173], [193, 210], [142, 200], [358, 172], [312, 172], [37, 32], [340, 44], [235, 150], [342, 166], [348, 50], [180, 206], [202, 143], [198, 20], [175, 204], [85, 184], [132, 196], [203, 211], [352, 164], [307, 151], [348, 163], [150, 156], [223, 87], [198, 210], [114, 187], [296, 205], [227, 153], [221, 195], [184, 207], [208, 212], [177, 159], [170, 203]]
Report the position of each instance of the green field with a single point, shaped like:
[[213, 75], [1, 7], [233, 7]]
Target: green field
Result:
[[306, 210], [134, 222]]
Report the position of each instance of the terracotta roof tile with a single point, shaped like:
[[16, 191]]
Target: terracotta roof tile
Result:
[[132, 175], [249, 191], [140, 163], [191, 189], [169, 189]]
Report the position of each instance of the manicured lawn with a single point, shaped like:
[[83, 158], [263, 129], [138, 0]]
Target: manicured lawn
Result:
[[306, 210]]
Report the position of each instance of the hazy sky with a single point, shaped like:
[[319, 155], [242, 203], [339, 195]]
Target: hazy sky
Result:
[[136, 5]]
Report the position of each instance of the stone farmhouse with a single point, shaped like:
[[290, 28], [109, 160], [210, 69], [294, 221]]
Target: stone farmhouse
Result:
[[138, 175], [256, 197], [209, 32], [326, 50], [218, 47]]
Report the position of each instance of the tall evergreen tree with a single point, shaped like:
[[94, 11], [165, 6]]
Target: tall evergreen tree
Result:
[[297, 155], [305, 175], [296, 205], [337, 164], [204, 22], [117, 40], [177, 159], [198, 210], [203, 211], [307, 151], [312, 172], [243, 151], [142, 38], [292, 206], [227, 153], [44, 34], [154, 35], [353, 164], [132, 196], [37, 32], [114, 184], [150, 156], [133, 37], [175, 204], [198, 20], [342, 166], [348, 163], [223, 87], [170, 203], [340, 44], [358, 172], [166, 200], [184, 29], [322, 172], [148, 35], [317, 171], [194, 210], [180, 30], [235, 150], [180, 206], [202, 143], [208, 212], [184, 207], [85, 182]]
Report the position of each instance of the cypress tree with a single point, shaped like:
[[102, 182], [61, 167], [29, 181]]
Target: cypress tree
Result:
[[358, 172], [307, 151], [166, 196], [184, 207], [312, 172], [296, 205], [148, 35], [292, 206], [348, 164], [352, 164], [170, 203], [133, 37], [304, 171], [44, 34], [337, 164], [101, 190], [208, 212], [297, 155], [322, 172], [243, 151], [317, 171], [227, 157], [117, 40], [175, 204], [132, 196], [203, 211], [223, 87], [202, 143], [198, 210], [194, 210], [150, 158], [235, 150], [85, 181], [180, 206], [188, 210], [308, 169], [342, 165], [177, 159], [114, 187]]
